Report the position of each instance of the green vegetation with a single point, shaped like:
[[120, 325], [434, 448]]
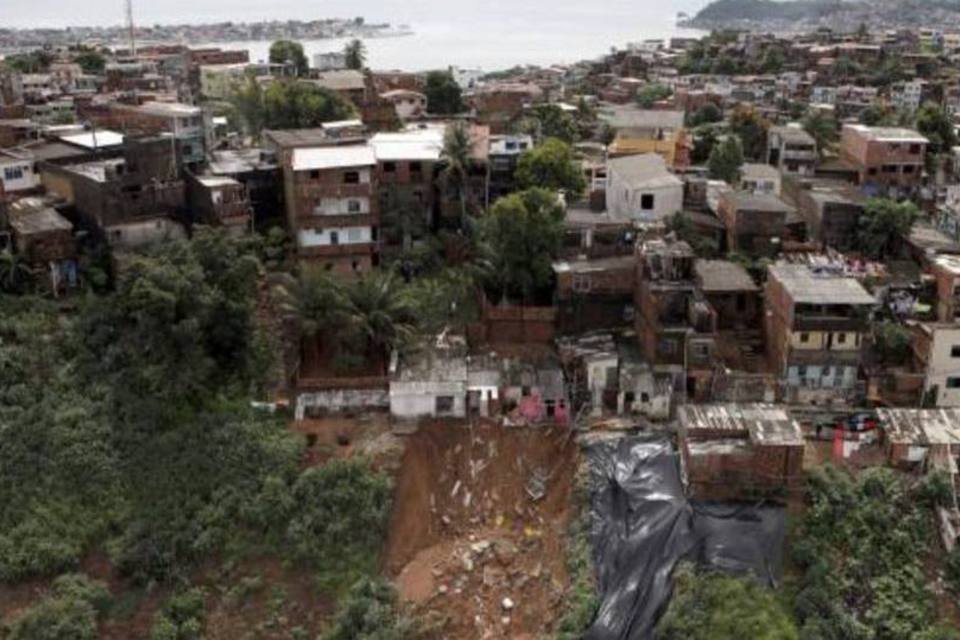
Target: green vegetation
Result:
[[525, 232], [883, 223], [751, 128], [550, 166], [369, 612], [289, 52], [126, 427], [822, 128], [358, 322], [355, 53], [581, 599], [652, 94], [550, 121], [287, 104], [443, 93], [709, 113], [707, 606], [891, 342], [181, 617], [457, 162], [725, 160], [69, 612], [36, 61], [937, 125], [92, 62], [681, 225], [862, 546]]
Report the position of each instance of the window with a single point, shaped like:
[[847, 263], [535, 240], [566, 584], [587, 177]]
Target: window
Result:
[[826, 371], [872, 171], [915, 149], [802, 371], [953, 383], [908, 168], [667, 347], [354, 235], [12, 173], [416, 167], [444, 404], [955, 351], [389, 167], [644, 397], [841, 338], [351, 177], [804, 338], [314, 175], [353, 206], [581, 283], [646, 202], [889, 168], [334, 238]]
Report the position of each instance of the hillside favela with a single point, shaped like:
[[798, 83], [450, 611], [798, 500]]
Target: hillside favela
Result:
[[313, 327]]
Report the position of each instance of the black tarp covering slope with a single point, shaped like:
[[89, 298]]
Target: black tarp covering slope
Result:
[[643, 525]]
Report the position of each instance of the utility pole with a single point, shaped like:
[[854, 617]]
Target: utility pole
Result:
[[130, 29]]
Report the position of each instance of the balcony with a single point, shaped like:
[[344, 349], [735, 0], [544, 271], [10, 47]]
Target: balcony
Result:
[[328, 190], [332, 250]]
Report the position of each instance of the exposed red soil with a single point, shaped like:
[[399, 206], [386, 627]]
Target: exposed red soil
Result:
[[465, 535]]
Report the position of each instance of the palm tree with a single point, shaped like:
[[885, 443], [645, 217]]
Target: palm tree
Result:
[[401, 218], [314, 303], [355, 53], [380, 313], [457, 154], [15, 275]]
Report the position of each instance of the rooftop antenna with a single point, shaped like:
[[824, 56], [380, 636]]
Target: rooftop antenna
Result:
[[133, 42]]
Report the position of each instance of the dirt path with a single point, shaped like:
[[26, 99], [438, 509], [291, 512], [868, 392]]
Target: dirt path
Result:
[[468, 545]]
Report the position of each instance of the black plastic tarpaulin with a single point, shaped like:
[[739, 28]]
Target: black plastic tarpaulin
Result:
[[642, 525]]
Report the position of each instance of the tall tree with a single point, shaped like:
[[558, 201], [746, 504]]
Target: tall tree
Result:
[[751, 127], [355, 53], [550, 166], [883, 223], [549, 121], [289, 52], [726, 159], [525, 232], [380, 314], [92, 62], [457, 158], [289, 104], [938, 127], [249, 104], [822, 128], [444, 96]]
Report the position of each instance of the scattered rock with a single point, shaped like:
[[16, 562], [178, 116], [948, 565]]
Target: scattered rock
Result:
[[507, 604]]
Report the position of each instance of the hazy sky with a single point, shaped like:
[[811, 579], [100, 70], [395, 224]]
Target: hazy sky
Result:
[[58, 13]]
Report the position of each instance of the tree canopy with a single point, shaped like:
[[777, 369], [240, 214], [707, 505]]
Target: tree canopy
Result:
[[550, 165], [751, 128], [355, 53], [652, 94], [288, 104], [550, 121], [726, 160], [708, 606], [934, 123], [524, 231], [883, 224], [289, 52], [822, 128], [444, 96]]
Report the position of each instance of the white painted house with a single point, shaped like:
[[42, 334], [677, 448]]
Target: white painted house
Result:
[[16, 172], [641, 188]]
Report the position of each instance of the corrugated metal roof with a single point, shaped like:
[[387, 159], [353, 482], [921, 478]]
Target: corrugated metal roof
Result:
[[308, 159], [921, 426], [765, 423], [806, 286]]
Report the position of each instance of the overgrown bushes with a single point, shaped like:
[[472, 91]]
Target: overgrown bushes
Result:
[[69, 612]]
